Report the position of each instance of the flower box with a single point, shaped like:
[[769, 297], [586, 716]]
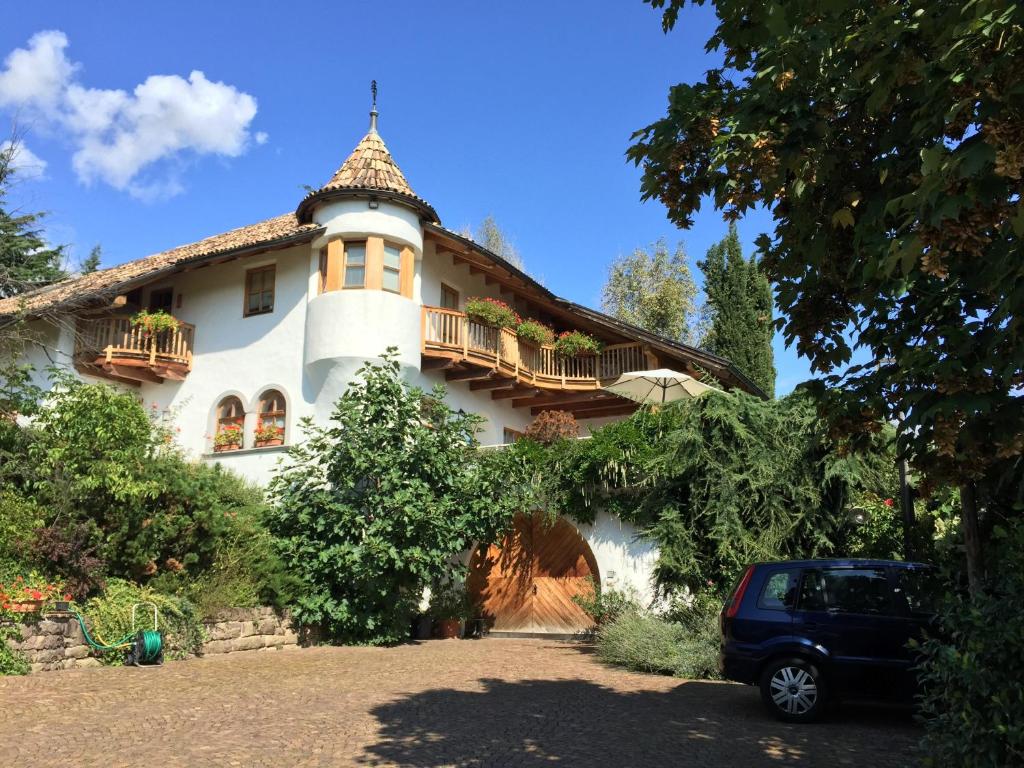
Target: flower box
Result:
[[226, 447], [26, 606], [267, 443]]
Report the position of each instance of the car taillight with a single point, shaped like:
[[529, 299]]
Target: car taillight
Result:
[[733, 606]]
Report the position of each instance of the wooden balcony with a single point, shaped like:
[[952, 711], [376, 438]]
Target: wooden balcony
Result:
[[115, 348], [531, 375]]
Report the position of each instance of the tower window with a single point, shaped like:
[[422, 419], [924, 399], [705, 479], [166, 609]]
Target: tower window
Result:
[[355, 265], [392, 269]]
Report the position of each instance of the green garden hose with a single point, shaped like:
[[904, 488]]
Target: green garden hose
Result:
[[145, 646], [102, 645]]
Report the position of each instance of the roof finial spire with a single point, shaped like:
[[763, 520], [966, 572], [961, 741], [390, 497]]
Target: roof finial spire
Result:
[[373, 110]]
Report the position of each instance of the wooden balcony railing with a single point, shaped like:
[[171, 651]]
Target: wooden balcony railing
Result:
[[449, 333], [116, 342]]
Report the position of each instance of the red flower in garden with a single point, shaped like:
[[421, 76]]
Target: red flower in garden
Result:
[[888, 502], [68, 596], [37, 595]]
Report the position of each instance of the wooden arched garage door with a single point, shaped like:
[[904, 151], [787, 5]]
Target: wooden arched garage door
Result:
[[527, 582]]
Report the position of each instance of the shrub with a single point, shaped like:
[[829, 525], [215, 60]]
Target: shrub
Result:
[[552, 426], [972, 697], [492, 312], [19, 519], [450, 601], [71, 551], [606, 605], [12, 662], [643, 642], [109, 616], [535, 332], [155, 322], [574, 343], [373, 507]]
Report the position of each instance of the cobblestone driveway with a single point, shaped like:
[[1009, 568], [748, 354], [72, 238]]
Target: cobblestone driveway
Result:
[[462, 703]]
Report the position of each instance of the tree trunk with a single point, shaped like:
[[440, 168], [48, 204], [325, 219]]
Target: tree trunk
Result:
[[972, 537]]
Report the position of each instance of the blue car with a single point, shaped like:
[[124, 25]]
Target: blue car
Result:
[[810, 631]]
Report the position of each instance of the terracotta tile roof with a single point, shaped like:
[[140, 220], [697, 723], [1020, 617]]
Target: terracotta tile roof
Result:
[[109, 282], [371, 168]]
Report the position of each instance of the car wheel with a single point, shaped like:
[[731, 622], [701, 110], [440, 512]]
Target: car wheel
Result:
[[793, 689]]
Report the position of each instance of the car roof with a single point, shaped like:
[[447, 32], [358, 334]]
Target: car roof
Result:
[[846, 562]]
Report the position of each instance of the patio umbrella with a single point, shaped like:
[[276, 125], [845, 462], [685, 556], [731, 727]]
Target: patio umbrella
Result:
[[659, 386]]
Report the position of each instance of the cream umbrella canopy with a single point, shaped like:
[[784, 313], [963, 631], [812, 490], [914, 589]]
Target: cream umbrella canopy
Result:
[[659, 386]]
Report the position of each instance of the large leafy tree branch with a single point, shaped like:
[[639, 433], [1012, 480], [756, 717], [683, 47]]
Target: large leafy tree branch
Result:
[[887, 139]]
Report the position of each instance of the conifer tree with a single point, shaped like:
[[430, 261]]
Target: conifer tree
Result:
[[739, 309]]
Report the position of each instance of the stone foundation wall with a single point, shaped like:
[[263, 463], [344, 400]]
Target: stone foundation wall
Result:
[[57, 642]]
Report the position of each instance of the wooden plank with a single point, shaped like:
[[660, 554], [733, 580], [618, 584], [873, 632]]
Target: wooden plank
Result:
[[436, 363], [497, 382], [469, 374], [569, 398], [514, 392], [374, 263], [408, 271], [335, 266]]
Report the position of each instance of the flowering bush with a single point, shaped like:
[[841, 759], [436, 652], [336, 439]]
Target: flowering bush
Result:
[[493, 312], [229, 434], [28, 595], [155, 322], [535, 332], [574, 343], [552, 426], [266, 432]]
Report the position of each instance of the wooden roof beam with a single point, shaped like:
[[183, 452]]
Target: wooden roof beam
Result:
[[498, 382], [469, 374]]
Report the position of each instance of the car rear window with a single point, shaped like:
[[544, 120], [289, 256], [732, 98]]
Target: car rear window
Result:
[[779, 591], [847, 590]]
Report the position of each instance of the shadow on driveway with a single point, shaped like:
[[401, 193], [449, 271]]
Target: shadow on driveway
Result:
[[574, 722]]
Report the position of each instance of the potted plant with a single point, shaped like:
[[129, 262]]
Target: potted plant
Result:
[[155, 322], [535, 332], [450, 607], [577, 344], [493, 313], [268, 434], [228, 438], [28, 595]]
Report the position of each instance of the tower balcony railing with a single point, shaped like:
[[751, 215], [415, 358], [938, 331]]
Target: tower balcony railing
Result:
[[452, 334]]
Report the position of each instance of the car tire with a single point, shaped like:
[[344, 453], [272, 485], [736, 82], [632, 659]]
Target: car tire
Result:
[[793, 689]]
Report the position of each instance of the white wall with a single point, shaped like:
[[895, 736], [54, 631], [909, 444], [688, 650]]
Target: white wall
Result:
[[624, 559]]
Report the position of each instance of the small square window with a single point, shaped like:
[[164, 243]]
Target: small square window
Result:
[[449, 297], [259, 290]]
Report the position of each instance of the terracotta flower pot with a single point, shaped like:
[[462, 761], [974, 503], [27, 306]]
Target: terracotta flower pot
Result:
[[265, 443], [227, 447], [27, 606], [448, 629]]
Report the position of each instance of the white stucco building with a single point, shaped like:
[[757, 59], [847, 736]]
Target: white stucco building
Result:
[[276, 317]]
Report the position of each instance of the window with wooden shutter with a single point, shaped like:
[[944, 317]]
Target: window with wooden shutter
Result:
[[259, 290]]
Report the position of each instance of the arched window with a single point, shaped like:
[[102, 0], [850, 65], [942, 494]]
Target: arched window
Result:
[[270, 429], [230, 424]]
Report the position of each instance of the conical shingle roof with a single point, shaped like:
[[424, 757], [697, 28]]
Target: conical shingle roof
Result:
[[369, 169]]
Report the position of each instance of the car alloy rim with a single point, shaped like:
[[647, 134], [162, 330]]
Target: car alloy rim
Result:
[[793, 690]]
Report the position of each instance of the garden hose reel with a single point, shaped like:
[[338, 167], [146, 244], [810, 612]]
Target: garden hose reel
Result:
[[147, 647]]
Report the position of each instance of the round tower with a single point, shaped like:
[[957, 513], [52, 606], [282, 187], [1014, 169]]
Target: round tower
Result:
[[364, 286]]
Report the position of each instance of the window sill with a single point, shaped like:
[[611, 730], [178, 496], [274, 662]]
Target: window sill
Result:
[[245, 451]]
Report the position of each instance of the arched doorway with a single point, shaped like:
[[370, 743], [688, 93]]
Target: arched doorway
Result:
[[527, 582]]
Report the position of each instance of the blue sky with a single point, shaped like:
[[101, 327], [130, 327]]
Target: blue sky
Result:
[[520, 110]]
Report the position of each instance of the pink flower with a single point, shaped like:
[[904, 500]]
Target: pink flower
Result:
[[888, 502]]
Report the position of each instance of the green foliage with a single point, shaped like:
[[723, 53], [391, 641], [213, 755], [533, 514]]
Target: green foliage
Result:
[[718, 482], [644, 642], [155, 322], [739, 309], [450, 601], [26, 261], [492, 312], [973, 699], [605, 605], [92, 261], [535, 332], [493, 238], [373, 508], [653, 290], [11, 662], [575, 343], [109, 616], [19, 520], [886, 141]]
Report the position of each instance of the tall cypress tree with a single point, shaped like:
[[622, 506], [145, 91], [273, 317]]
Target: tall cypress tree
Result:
[[739, 308]]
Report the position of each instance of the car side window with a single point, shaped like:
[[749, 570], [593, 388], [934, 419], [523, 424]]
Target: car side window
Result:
[[858, 590], [779, 592], [812, 592], [919, 589]]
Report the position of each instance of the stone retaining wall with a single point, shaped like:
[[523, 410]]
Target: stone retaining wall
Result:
[[56, 642]]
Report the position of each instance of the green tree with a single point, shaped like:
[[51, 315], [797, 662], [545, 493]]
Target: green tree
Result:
[[653, 289], [26, 261], [376, 506], [92, 261], [886, 139], [739, 311], [493, 238]]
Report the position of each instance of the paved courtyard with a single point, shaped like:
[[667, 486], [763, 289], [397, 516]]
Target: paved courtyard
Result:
[[439, 703]]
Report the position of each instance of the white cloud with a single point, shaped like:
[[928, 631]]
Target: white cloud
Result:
[[25, 163], [132, 141]]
